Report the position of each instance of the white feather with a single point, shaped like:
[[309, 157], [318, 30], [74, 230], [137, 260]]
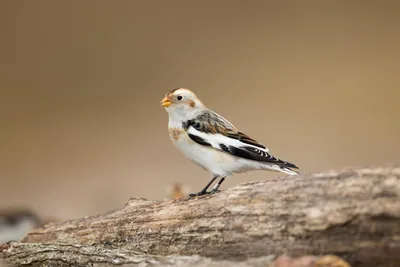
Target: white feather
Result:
[[216, 139], [213, 159]]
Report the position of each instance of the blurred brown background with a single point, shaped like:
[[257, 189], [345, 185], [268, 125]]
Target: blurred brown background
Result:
[[80, 84]]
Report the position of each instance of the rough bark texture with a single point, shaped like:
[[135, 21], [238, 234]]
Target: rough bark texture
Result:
[[352, 213]]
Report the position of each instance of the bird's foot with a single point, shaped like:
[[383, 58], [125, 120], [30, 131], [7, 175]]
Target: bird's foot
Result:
[[214, 191], [201, 193]]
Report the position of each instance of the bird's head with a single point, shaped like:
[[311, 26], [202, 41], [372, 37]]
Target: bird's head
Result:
[[182, 104]]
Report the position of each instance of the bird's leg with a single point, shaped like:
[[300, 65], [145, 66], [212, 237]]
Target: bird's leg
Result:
[[204, 191], [215, 189]]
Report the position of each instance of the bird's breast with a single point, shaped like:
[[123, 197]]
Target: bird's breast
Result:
[[209, 158], [176, 133]]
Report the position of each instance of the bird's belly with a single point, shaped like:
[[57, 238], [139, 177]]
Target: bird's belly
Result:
[[213, 160]]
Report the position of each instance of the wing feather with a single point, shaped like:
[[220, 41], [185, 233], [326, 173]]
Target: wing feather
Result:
[[210, 129], [211, 122]]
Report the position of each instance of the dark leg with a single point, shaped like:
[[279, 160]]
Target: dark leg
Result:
[[215, 189], [204, 191]]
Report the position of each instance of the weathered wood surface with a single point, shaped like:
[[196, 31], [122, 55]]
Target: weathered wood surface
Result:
[[353, 213]]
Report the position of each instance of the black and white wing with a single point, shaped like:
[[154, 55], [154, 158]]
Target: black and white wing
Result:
[[211, 129]]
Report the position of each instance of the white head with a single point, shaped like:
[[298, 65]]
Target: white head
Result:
[[182, 104]]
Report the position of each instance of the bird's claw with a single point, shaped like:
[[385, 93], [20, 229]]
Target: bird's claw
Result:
[[198, 194], [214, 191], [201, 193]]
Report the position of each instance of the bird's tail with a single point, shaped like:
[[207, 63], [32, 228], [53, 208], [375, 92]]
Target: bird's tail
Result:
[[283, 166], [287, 171]]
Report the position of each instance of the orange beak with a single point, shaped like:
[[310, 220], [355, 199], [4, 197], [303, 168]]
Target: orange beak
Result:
[[165, 102]]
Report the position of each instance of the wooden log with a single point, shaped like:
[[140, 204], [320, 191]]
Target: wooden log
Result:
[[353, 213]]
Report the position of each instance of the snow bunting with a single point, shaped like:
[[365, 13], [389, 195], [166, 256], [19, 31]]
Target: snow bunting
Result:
[[213, 143]]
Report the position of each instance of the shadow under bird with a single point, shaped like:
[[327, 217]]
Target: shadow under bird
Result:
[[213, 143]]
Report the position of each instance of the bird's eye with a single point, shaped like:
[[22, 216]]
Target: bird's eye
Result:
[[179, 97]]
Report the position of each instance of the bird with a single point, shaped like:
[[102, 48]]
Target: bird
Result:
[[213, 143]]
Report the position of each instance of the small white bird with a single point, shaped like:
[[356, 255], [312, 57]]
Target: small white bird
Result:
[[212, 142]]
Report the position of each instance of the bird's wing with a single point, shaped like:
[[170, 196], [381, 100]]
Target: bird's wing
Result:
[[211, 129]]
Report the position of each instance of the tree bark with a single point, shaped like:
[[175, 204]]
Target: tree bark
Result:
[[352, 213]]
